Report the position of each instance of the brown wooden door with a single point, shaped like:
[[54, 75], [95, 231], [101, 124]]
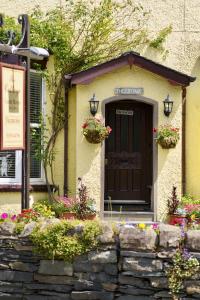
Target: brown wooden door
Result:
[[128, 156]]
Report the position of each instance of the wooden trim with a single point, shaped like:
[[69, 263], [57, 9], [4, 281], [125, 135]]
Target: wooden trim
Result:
[[16, 67], [84, 77], [18, 188]]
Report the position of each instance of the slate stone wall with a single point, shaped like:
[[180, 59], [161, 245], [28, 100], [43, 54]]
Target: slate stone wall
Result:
[[130, 266]]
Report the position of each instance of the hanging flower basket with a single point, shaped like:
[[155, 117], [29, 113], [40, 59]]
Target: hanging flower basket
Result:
[[95, 131], [167, 136]]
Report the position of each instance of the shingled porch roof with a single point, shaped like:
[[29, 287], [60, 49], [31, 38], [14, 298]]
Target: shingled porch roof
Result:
[[130, 58]]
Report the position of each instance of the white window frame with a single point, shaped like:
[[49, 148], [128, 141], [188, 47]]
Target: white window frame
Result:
[[18, 153]]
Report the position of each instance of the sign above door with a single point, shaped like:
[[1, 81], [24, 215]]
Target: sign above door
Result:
[[128, 91]]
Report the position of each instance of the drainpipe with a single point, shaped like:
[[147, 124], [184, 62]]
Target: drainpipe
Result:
[[184, 92], [65, 184]]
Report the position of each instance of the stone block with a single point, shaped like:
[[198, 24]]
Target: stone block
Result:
[[92, 295], [15, 276], [137, 239], [135, 291], [137, 254], [28, 229], [56, 267], [192, 287], [108, 235], [21, 266], [104, 257], [134, 281], [131, 297], [87, 285], [48, 287], [160, 282], [193, 240], [42, 297], [142, 264], [169, 236], [111, 269], [54, 279], [7, 228], [111, 287], [7, 296], [102, 277]]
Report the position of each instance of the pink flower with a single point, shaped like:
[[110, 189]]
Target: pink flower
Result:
[[4, 216], [109, 129]]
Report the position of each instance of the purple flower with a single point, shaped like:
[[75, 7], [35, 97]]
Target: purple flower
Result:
[[14, 217], [4, 216], [186, 253], [155, 226]]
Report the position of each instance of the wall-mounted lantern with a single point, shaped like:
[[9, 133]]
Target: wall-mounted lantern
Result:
[[168, 105], [94, 104]]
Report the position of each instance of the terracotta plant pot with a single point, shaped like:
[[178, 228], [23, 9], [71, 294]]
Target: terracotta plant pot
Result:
[[88, 217], [69, 216], [177, 220]]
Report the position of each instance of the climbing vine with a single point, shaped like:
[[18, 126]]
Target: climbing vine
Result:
[[79, 35]]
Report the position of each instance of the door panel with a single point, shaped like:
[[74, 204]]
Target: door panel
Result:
[[128, 155]]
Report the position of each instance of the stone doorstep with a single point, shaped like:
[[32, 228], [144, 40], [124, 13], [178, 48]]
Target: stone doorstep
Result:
[[130, 217]]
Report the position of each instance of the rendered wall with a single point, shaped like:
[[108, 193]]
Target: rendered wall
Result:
[[90, 157]]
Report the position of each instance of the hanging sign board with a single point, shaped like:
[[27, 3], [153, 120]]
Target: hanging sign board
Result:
[[124, 112], [12, 107], [129, 91]]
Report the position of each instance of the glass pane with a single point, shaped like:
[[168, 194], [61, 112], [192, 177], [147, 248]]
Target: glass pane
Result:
[[35, 163], [7, 164], [35, 97]]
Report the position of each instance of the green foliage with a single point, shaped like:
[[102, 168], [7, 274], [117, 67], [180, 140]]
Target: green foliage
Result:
[[9, 24], [43, 209], [188, 199], [19, 227], [66, 239], [183, 267], [157, 43]]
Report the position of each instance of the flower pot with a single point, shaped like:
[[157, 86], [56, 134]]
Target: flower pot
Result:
[[94, 137], [68, 216], [89, 216], [177, 220]]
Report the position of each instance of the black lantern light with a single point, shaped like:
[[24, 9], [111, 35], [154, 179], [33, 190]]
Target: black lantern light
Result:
[[168, 104], [94, 104]]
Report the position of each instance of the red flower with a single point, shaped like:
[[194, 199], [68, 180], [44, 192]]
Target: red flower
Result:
[[154, 130], [84, 125]]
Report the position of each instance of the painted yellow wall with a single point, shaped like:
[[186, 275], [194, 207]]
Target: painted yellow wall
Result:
[[88, 156], [193, 135]]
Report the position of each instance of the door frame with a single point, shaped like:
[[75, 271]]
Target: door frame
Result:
[[154, 103]]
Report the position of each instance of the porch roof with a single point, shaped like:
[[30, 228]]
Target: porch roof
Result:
[[129, 58]]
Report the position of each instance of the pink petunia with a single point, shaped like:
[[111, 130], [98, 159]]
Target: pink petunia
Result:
[[4, 216]]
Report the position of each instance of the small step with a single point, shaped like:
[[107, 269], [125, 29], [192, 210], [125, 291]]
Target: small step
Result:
[[122, 202], [136, 216]]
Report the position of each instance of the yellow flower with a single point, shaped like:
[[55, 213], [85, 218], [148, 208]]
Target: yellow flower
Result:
[[141, 226], [193, 217]]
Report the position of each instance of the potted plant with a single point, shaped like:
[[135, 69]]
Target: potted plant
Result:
[[176, 213], [86, 209], [193, 213], [65, 207], [167, 136], [95, 131]]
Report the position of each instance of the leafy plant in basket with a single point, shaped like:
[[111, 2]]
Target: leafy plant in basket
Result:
[[95, 131], [167, 136]]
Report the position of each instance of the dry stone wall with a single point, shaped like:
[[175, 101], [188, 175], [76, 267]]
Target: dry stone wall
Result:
[[130, 266]]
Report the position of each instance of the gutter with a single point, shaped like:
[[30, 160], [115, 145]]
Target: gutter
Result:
[[184, 93], [65, 183]]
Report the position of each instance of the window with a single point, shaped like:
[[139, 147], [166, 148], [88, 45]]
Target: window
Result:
[[10, 161]]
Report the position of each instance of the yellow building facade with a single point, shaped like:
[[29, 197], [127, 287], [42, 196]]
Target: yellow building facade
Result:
[[88, 161]]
